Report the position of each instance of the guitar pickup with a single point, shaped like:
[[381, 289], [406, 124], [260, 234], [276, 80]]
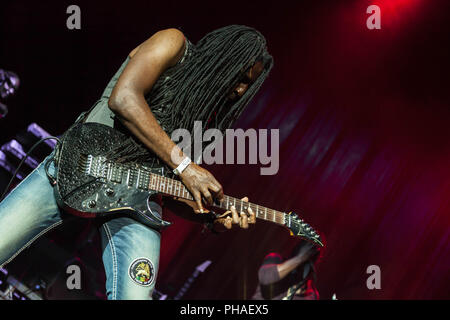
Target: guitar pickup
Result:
[[116, 174], [130, 177], [144, 180]]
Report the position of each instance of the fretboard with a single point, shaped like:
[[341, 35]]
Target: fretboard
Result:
[[177, 189]]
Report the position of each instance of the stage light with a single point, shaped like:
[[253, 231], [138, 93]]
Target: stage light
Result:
[[9, 83], [3, 283], [397, 12]]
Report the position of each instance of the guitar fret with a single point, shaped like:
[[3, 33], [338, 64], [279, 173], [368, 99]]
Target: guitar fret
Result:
[[150, 182], [177, 189], [154, 184], [168, 185]]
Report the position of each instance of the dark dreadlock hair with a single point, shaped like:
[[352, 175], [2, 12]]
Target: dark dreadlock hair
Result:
[[201, 84], [198, 89]]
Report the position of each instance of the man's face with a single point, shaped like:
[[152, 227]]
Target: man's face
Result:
[[246, 81]]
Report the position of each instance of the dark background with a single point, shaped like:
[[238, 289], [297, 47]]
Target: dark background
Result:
[[363, 118]]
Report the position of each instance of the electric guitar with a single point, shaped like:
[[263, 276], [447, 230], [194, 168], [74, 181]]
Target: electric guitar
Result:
[[89, 185]]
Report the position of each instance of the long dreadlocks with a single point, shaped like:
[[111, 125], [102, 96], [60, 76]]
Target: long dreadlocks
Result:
[[202, 84], [198, 89]]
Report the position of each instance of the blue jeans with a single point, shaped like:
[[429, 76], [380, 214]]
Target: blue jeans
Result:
[[130, 249]]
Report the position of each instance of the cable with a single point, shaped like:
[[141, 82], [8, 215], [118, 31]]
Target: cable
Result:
[[23, 160]]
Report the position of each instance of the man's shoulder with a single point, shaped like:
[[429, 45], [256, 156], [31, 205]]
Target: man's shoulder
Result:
[[172, 31], [171, 35], [168, 43]]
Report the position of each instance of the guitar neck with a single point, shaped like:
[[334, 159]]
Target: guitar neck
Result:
[[176, 188]]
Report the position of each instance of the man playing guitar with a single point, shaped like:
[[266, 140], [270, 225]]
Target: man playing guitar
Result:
[[165, 83]]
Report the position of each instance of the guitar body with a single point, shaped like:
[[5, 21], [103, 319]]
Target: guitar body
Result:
[[89, 195]]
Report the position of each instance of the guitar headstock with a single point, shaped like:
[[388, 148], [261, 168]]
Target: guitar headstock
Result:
[[300, 228]]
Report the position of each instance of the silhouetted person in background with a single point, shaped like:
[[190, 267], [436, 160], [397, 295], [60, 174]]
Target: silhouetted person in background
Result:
[[289, 279]]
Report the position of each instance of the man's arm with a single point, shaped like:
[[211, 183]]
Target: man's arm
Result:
[[272, 273], [289, 265], [127, 101]]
